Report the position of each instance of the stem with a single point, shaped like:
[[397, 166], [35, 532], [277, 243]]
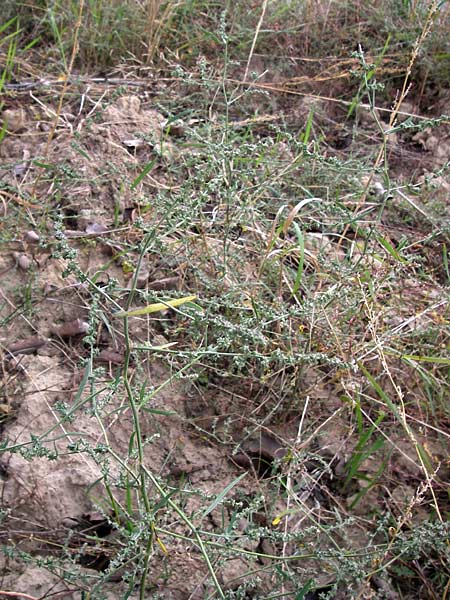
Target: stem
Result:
[[135, 413]]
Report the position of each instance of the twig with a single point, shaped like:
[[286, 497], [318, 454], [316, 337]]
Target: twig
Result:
[[17, 595]]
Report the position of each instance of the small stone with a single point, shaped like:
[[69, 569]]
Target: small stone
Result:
[[16, 119], [72, 328], [32, 237], [22, 260]]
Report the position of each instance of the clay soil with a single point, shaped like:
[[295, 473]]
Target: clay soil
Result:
[[66, 421]]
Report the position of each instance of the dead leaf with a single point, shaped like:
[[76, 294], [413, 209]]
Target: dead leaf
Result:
[[156, 307]]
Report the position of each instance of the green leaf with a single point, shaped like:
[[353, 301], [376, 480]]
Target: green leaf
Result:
[[219, 499], [6, 25], [390, 248], [445, 261], [301, 246], [305, 589], [148, 167], [157, 411], [438, 360], [305, 136], [3, 130], [381, 393], [156, 307], [42, 165]]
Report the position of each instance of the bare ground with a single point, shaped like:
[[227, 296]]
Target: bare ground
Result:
[[57, 504]]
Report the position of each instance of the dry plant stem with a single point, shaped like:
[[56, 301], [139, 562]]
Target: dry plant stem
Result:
[[380, 563], [427, 485], [255, 37], [402, 410], [75, 48], [155, 25], [286, 91], [395, 110], [17, 595], [447, 587], [202, 545], [239, 549], [289, 488], [381, 341], [270, 240]]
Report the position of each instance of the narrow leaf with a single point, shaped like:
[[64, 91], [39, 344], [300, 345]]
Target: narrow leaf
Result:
[[157, 411], [6, 25], [157, 307], [301, 246], [309, 122], [309, 585], [148, 167], [445, 261], [381, 393], [438, 360], [390, 248], [219, 499]]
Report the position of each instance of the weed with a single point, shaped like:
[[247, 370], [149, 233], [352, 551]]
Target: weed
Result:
[[255, 402]]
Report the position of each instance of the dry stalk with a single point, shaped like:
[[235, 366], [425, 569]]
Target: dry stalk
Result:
[[75, 48], [399, 394], [396, 108], [155, 22], [255, 37]]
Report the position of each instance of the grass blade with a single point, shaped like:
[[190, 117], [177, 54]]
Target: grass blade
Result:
[[390, 249], [148, 167], [157, 307], [220, 497]]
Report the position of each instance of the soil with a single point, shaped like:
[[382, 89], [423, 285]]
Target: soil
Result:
[[54, 499]]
